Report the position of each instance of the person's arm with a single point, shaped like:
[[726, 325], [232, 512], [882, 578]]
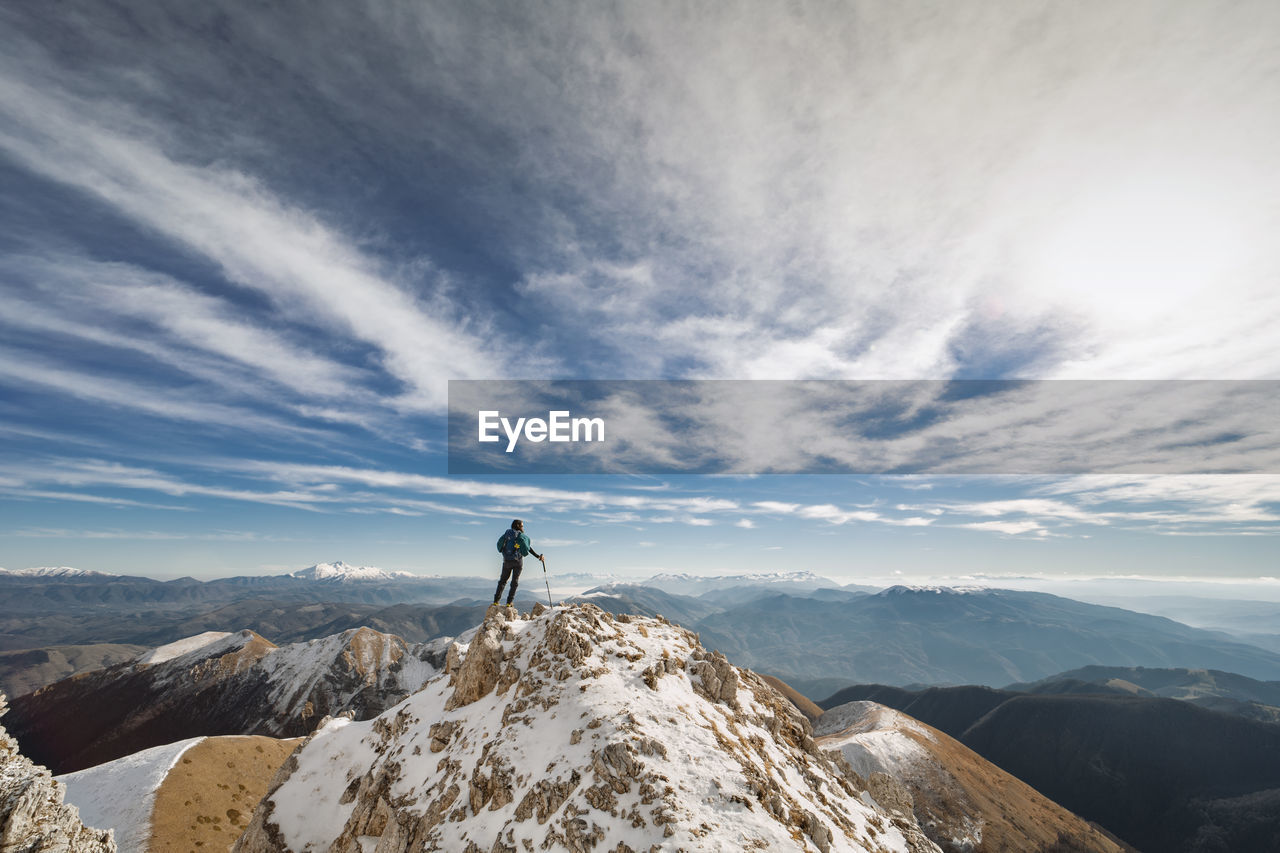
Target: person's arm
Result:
[[529, 547]]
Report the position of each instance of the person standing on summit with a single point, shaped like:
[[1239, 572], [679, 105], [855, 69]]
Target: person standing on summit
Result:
[[513, 545]]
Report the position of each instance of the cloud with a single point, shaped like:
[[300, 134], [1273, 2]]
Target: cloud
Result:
[[141, 535], [167, 403], [1012, 528], [258, 240], [844, 217], [104, 474]]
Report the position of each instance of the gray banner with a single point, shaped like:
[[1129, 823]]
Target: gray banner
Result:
[[863, 427]]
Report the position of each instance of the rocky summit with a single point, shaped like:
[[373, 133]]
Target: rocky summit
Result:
[[33, 816], [573, 729]]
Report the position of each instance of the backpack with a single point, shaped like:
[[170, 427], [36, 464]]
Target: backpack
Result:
[[509, 545]]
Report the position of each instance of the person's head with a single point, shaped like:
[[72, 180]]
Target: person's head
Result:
[[517, 524]]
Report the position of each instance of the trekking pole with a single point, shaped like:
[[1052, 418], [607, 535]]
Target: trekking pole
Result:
[[544, 577]]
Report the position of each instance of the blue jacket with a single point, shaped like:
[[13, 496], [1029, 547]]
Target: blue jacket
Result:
[[522, 545]]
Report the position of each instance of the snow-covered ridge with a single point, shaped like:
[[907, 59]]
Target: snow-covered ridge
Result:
[[341, 571], [575, 729], [181, 647], [56, 572]]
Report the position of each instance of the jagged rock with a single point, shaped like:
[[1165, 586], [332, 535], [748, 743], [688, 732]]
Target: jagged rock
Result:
[[441, 734], [33, 817], [615, 766], [479, 671], [578, 753]]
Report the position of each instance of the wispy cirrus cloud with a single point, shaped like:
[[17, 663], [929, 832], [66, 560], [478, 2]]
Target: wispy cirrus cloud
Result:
[[1035, 507], [164, 402], [258, 240]]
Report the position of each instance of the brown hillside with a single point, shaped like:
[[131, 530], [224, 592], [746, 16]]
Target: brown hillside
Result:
[[208, 797]]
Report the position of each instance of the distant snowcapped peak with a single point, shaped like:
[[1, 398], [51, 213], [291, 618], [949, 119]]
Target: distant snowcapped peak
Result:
[[908, 589], [340, 571], [56, 572]]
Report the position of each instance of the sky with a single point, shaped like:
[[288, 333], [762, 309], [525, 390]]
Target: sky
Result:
[[244, 248]]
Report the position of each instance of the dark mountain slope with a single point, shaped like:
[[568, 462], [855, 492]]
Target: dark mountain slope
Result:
[[1208, 688], [25, 670], [951, 709], [1160, 773], [1133, 764]]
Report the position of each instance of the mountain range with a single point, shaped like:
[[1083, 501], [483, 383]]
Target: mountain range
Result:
[[814, 635], [972, 768], [1208, 688], [825, 638]]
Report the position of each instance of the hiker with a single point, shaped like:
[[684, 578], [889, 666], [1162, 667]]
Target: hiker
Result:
[[513, 545]]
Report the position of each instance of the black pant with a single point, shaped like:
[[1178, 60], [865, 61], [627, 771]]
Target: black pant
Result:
[[510, 569]]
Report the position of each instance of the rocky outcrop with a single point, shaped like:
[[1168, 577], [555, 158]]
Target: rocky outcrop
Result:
[[233, 684], [478, 673], [33, 817], [577, 730]]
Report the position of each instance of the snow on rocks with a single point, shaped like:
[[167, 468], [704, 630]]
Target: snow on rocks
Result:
[[33, 816], [575, 730], [120, 794], [345, 670]]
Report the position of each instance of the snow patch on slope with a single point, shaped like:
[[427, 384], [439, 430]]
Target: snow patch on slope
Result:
[[181, 647], [121, 794]]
